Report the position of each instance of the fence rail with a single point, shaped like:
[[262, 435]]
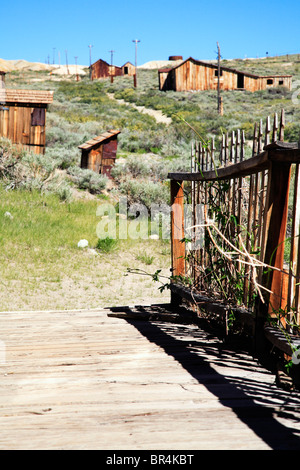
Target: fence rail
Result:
[[240, 249]]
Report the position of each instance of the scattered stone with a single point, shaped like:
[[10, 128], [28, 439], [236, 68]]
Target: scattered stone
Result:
[[83, 243], [93, 252]]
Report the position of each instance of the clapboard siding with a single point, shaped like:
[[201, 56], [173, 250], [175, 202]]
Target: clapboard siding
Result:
[[193, 75], [23, 118]]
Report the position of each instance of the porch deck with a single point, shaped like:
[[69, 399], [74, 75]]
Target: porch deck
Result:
[[95, 380]]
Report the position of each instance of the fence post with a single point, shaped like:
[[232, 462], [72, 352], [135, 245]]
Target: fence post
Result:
[[275, 223], [177, 233]]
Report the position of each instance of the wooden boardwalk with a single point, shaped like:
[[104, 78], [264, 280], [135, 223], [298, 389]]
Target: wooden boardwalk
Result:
[[91, 380]]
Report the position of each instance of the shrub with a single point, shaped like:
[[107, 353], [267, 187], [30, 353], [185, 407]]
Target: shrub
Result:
[[145, 192], [63, 157], [107, 244], [88, 179]]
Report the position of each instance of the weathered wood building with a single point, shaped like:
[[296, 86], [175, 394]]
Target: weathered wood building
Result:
[[195, 75], [102, 69], [23, 117], [99, 154], [128, 69]]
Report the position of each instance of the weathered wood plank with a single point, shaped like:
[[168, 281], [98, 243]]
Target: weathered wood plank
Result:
[[177, 228], [273, 152], [87, 380]]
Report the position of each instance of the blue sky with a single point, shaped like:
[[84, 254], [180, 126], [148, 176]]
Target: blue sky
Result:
[[36, 31]]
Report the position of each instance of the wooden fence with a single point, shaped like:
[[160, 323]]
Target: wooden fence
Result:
[[237, 255]]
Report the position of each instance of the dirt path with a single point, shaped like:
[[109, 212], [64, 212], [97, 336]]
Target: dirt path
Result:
[[158, 115]]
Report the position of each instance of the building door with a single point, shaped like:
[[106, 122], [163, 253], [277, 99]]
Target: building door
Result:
[[240, 80]]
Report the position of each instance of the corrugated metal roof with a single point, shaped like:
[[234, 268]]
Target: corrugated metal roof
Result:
[[97, 140], [28, 96]]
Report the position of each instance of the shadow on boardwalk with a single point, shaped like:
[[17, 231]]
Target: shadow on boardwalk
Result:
[[230, 374]]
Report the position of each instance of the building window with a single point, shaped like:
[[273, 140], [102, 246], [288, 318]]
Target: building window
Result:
[[280, 82], [216, 73], [270, 81], [38, 117]]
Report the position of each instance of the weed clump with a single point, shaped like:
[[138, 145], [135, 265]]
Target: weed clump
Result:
[[88, 179]]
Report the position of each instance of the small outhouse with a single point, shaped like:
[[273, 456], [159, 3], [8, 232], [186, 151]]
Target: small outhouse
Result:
[[99, 154], [128, 69], [23, 117]]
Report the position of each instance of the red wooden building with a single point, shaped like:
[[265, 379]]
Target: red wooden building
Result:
[[102, 69], [99, 154]]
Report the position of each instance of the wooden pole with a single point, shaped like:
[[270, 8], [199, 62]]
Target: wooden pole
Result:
[[220, 103], [136, 41], [177, 233]]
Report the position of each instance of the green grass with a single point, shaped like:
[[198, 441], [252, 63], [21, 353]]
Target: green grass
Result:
[[42, 230], [41, 265]]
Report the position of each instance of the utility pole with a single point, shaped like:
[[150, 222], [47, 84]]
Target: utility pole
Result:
[[135, 75], [67, 62], [111, 66], [76, 57], [220, 106], [54, 55], [90, 46]]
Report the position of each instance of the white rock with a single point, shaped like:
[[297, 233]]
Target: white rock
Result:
[[8, 214], [83, 243], [154, 237], [93, 252]]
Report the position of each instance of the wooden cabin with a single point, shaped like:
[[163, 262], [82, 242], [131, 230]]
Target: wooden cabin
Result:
[[102, 69], [128, 69], [195, 75], [115, 71], [99, 154], [23, 117]]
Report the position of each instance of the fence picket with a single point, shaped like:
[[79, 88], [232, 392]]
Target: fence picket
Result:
[[247, 202], [282, 126]]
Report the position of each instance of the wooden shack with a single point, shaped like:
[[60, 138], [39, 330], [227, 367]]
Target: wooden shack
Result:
[[99, 153], [102, 69], [195, 75], [128, 69], [23, 117], [99, 69]]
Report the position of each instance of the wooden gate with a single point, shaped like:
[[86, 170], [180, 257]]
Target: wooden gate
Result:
[[239, 254]]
